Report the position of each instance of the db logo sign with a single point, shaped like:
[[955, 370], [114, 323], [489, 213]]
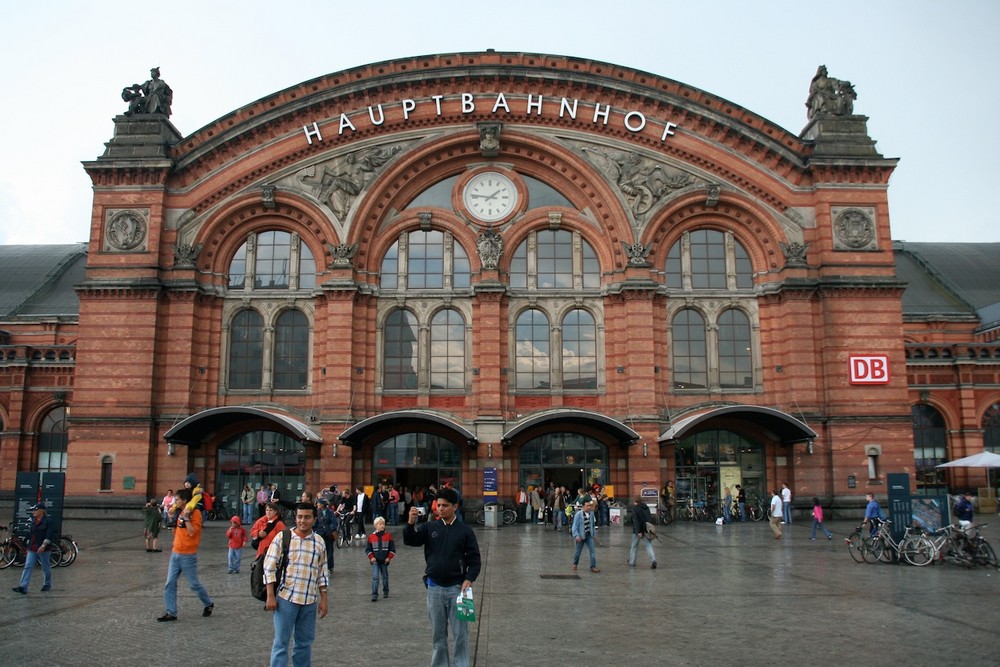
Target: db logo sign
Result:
[[869, 369]]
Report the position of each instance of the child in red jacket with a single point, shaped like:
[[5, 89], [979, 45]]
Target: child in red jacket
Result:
[[380, 550], [237, 540]]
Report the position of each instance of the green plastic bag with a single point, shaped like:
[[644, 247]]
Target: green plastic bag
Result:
[[466, 607]]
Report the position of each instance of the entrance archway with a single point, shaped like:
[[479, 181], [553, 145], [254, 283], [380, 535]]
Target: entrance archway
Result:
[[414, 460], [255, 458], [572, 460]]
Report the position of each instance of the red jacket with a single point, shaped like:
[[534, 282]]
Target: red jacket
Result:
[[380, 547]]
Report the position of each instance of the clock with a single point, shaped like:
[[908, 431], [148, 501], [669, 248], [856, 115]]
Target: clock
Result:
[[490, 196]]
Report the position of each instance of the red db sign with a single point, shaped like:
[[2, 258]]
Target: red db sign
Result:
[[869, 369]]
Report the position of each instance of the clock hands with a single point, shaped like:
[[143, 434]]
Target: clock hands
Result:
[[487, 197]]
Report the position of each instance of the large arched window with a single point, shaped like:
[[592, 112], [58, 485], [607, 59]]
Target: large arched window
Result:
[[417, 459], [579, 353], [276, 260], [690, 353], [705, 259], [257, 458], [735, 366], [930, 448], [426, 260], [246, 350], [400, 356], [572, 460], [532, 350], [554, 259], [291, 350], [52, 441], [447, 353]]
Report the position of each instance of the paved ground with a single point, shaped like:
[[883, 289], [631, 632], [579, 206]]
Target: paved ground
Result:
[[728, 595]]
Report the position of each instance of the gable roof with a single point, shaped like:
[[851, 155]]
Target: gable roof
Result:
[[38, 280]]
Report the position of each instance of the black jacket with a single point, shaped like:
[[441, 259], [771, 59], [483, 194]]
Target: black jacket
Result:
[[451, 552], [640, 517]]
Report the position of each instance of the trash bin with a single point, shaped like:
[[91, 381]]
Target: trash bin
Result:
[[616, 516], [492, 516]]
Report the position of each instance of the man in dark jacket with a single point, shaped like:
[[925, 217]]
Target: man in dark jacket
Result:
[[451, 553], [640, 517], [40, 538]]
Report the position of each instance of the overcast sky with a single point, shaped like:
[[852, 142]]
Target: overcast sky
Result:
[[926, 73]]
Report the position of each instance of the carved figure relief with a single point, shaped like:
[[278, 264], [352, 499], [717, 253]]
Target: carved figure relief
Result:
[[795, 253], [854, 229], [185, 254], [343, 254], [489, 245], [829, 96], [338, 182], [637, 253], [489, 139], [125, 231], [642, 182], [154, 96]]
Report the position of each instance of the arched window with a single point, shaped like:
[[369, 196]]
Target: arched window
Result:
[[690, 351], [106, 463], [557, 260], [400, 356], [930, 448], [710, 263], [433, 260], [246, 350], [447, 351], [735, 366], [279, 261], [257, 458], [533, 350], [52, 441], [579, 354], [291, 350], [566, 459], [417, 459]]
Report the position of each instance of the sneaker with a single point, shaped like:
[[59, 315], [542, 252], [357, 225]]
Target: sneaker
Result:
[[385, 594], [813, 539], [24, 591], [374, 597], [630, 564], [166, 617], [574, 567], [208, 610], [782, 523], [595, 570], [829, 537], [652, 566], [46, 588]]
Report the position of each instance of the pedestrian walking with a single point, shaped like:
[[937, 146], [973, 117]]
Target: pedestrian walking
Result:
[[786, 504], [641, 517], [775, 515], [583, 530], [41, 535], [184, 559], [818, 521], [237, 535], [380, 550]]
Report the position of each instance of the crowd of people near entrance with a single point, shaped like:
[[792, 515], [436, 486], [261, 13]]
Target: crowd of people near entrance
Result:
[[554, 505]]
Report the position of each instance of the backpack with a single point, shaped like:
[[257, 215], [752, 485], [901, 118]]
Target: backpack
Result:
[[258, 588]]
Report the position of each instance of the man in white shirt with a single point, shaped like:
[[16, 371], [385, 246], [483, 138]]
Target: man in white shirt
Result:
[[786, 504], [775, 514]]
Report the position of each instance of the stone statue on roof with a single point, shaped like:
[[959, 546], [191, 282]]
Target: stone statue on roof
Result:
[[829, 96], [153, 97]]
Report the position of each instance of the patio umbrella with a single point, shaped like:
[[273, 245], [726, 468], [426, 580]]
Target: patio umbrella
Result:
[[980, 460]]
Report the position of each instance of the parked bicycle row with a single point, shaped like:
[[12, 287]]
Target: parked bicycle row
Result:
[[953, 544], [14, 550]]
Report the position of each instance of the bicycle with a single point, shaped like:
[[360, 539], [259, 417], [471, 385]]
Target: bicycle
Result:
[[14, 551], [346, 536], [982, 552], [507, 516], [912, 547], [69, 549], [947, 547], [859, 545], [756, 509]]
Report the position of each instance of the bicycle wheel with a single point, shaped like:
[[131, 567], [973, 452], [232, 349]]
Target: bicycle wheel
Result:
[[8, 553], [869, 549], [917, 550], [55, 553], [69, 551], [481, 517], [509, 517], [856, 547], [985, 554]]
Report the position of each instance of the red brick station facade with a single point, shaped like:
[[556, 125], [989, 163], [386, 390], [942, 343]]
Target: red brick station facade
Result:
[[497, 267]]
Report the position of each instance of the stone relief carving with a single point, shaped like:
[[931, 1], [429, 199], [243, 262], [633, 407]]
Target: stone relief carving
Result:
[[795, 253], [854, 229], [267, 197], [637, 253], [489, 139], [125, 230], [489, 245], [185, 254], [154, 96], [642, 182], [338, 182], [343, 254], [829, 96]]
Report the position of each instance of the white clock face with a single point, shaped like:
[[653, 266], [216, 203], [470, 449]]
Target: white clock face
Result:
[[490, 196]]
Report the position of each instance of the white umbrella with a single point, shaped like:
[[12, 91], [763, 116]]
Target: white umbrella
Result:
[[980, 460]]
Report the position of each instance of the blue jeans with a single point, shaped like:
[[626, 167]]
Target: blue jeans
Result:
[[589, 541], [394, 513], [727, 512], [45, 558], [235, 558], [743, 511], [558, 519], [247, 513], [441, 607], [786, 512], [188, 564], [377, 570], [302, 619], [821, 527], [634, 549]]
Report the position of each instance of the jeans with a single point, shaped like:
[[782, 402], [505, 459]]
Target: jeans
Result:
[[558, 519], [247, 513], [604, 516], [235, 558], [394, 513], [743, 511], [727, 512], [589, 541], [383, 570], [188, 564], [786, 512], [821, 527], [45, 558], [441, 607], [302, 619], [634, 548]]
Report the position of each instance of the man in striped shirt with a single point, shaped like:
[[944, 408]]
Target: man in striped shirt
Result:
[[301, 593]]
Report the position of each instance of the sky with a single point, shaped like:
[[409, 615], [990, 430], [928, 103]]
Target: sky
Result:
[[925, 74]]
